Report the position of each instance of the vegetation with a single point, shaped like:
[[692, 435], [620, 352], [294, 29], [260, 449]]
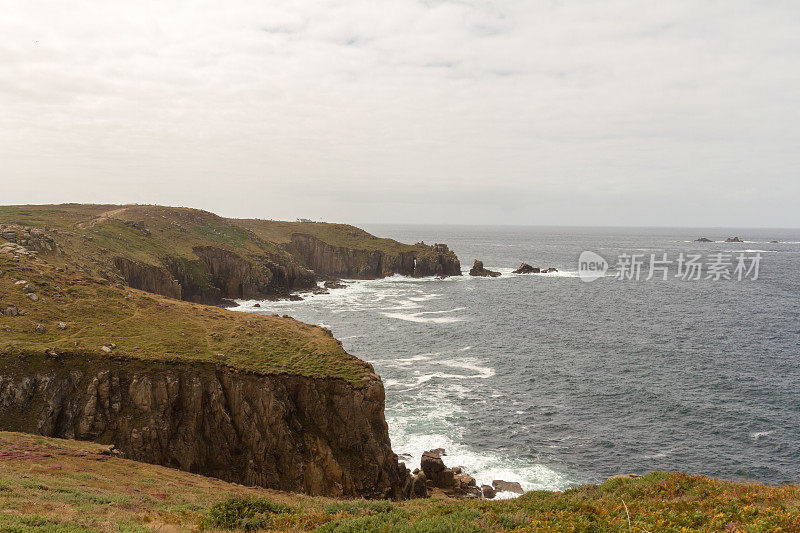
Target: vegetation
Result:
[[341, 235], [69, 486], [96, 313], [91, 235]]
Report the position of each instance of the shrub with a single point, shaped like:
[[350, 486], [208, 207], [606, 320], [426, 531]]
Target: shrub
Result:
[[242, 513]]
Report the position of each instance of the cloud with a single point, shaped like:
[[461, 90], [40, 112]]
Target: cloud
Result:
[[445, 111]]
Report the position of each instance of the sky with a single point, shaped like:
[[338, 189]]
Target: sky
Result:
[[601, 112]]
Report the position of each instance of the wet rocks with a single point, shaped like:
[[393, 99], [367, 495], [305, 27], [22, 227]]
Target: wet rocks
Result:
[[733, 239], [507, 486], [525, 268], [479, 270], [488, 491], [703, 239]]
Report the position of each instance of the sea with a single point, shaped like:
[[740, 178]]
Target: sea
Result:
[[553, 380]]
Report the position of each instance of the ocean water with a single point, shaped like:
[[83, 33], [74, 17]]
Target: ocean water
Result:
[[551, 381]]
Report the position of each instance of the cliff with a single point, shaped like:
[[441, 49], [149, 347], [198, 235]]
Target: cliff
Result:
[[341, 262], [314, 435], [200, 257], [257, 400]]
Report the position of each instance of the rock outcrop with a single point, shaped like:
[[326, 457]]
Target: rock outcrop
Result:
[[703, 239], [216, 275], [525, 268], [314, 435], [478, 270], [733, 239], [507, 486]]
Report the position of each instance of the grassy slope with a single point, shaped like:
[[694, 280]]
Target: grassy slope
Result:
[[57, 485], [90, 234], [175, 230], [148, 327], [341, 235]]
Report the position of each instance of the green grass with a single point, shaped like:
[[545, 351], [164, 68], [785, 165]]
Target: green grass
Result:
[[152, 328], [341, 235], [42, 493]]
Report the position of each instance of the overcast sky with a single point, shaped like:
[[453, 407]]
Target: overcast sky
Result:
[[604, 112]]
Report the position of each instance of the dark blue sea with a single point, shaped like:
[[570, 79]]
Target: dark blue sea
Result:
[[552, 381]]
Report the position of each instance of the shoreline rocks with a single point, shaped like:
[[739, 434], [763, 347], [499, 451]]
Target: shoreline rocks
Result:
[[479, 270], [703, 239], [436, 479], [733, 239]]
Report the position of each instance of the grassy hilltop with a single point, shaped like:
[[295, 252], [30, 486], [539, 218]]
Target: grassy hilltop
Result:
[[96, 313], [59, 485]]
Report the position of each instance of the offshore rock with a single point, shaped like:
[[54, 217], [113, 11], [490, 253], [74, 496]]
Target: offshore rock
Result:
[[525, 268], [478, 270]]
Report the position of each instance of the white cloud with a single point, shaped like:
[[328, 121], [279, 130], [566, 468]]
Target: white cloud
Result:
[[614, 112]]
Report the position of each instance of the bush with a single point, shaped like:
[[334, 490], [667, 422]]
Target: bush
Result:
[[242, 513]]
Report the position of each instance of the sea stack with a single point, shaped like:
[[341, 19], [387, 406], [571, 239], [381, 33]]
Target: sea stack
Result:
[[478, 270]]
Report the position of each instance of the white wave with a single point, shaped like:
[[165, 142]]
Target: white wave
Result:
[[485, 467], [419, 317], [757, 435], [425, 298]]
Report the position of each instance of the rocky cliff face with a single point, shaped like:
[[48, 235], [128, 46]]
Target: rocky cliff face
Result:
[[339, 262], [216, 274], [148, 278], [318, 436]]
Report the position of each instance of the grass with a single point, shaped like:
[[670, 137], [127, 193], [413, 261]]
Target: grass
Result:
[[61, 485], [341, 235], [151, 328]]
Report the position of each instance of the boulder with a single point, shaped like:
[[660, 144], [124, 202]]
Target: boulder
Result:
[[11, 311], [733, 239], [703, 239], [525, 268], [28, 288], [431, 464], [61, 325], [445, 479], [507, 486], [552, 269], [774, 242], [488, 491], [419, 489], [33, 297], [478, 270], [9, 235], [40, 328]]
